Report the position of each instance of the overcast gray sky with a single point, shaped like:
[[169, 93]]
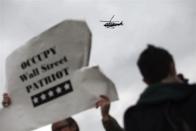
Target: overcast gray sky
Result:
[[167, 23]]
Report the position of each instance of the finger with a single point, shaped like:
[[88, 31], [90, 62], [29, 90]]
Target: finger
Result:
[[101, 103], [98, 104]]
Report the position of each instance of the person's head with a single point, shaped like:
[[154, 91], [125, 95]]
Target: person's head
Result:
[[155, 64], [68, 124]]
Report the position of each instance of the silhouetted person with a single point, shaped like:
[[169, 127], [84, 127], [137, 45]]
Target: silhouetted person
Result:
[[168, 103]]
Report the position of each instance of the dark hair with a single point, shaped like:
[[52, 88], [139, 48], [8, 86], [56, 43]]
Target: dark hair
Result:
[[154, 63], [70, 122]]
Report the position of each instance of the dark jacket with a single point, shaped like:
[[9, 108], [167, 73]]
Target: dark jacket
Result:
[[164, 107]]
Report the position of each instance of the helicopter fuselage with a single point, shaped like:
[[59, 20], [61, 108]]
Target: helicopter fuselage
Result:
[[112, 24]]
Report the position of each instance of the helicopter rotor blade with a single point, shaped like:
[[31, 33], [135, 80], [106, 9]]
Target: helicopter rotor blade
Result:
[[112, 17], [104, 21]]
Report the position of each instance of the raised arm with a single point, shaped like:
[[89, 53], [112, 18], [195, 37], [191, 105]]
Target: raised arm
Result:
[[109, 123]]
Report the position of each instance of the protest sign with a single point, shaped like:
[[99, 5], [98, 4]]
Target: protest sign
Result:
[[47, 61], [41, 68], [87, 86]]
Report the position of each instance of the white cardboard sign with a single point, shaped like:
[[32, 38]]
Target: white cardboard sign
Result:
[[46, 62]]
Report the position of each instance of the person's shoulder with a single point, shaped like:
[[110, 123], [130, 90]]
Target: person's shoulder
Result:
[[132, 110], [139, 110], [192, 87], [133, 115]]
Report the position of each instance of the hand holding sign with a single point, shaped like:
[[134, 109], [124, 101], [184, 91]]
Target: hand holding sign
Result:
[[104, 104], [6, 100]]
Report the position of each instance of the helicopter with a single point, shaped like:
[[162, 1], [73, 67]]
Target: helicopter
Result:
[[112, 24]]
